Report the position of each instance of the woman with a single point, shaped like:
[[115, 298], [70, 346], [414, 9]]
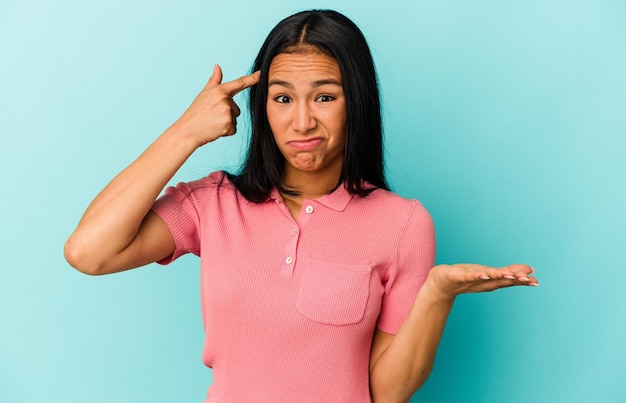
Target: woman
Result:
[[310, 267]]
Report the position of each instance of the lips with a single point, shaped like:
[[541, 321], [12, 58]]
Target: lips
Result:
[[305, 145]]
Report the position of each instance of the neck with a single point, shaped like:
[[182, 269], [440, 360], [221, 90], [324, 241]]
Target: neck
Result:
[[311, 185]]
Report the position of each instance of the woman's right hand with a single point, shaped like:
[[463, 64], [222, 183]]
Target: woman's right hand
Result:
[[118, 231], [213, 113]]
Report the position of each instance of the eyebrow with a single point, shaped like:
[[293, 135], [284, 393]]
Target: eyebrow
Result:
[[314, 84]]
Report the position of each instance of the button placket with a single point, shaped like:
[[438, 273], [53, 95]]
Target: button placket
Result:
[[290, 258], [289, 255]]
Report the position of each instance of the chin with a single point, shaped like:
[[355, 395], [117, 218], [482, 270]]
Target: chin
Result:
[[308, 163], [307, 168]]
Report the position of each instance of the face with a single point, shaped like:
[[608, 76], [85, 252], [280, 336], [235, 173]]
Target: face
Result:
[[307, 112]]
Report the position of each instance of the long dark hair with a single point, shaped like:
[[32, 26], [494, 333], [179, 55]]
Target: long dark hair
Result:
[[334, 34]]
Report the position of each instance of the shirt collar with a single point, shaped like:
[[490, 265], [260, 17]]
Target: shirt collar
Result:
[[337, 200]]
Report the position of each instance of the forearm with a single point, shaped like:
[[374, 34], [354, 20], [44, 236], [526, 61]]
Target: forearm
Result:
[[406, 363], [117, 223], [112, 220]]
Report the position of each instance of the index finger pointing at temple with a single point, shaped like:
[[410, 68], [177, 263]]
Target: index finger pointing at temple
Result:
[[236, 86]]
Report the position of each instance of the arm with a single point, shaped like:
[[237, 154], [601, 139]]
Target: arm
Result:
[[400, 364], [117, 231]]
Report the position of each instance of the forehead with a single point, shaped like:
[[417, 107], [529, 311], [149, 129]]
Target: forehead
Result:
[[304, 65]]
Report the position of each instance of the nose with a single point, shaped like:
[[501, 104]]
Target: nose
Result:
[[303, 119]]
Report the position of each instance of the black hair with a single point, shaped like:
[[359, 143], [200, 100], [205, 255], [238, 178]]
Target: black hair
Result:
[[334, 34]]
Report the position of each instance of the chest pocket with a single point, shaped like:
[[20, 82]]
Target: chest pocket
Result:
[[332, 293]]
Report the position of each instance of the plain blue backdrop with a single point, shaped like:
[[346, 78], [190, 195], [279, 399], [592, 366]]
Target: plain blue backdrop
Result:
[[507, 119]]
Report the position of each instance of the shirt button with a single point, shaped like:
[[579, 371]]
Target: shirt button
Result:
[[294, 232], [289, 260], [309, 209]]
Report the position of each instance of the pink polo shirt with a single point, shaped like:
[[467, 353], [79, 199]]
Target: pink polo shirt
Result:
[[290, 307]]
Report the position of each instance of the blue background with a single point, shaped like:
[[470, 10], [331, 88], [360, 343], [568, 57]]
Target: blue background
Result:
[[506, 118]]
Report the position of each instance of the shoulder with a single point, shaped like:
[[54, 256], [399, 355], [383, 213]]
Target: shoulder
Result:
[[389, 203], [201, 193], [385, 212], [216, 182]]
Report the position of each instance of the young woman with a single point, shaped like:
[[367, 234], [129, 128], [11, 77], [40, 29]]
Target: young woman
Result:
[[317, 282]]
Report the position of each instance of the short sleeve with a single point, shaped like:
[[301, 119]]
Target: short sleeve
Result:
[[179, 212], [415, 256]]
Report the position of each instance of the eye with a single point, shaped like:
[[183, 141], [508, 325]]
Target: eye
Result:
[[282, 99], [325, 98]]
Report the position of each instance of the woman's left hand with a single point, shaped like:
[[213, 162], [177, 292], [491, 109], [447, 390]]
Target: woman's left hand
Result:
[[451, 280]]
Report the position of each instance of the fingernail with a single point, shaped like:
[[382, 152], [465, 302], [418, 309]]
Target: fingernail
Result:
[[485, 277], [510, 277], [524, 279], [534, 284]]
